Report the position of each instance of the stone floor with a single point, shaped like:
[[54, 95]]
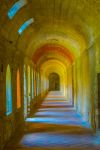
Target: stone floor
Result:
[[56, 126]]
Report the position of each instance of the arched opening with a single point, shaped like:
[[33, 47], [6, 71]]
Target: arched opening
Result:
[[35, 92], [8, 92], [25, 93], [32, 83], [54, 82], [15, 8], [38, 83], [18, 90], [29, 85]]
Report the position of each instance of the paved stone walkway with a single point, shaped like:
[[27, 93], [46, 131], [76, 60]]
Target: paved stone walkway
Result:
[[56, 126]]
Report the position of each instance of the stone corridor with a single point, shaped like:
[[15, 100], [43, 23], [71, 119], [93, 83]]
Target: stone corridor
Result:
[[49, 74], [55, 126]]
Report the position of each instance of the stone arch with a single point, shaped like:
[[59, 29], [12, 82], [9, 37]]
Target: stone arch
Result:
[[54, 82], [8, 91]]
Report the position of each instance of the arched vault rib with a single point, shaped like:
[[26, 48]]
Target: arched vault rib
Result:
[[52, 50], [71, 14], [53, 65], [67, 37]]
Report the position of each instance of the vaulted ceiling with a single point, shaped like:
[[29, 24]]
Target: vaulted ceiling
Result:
[[72, 24]]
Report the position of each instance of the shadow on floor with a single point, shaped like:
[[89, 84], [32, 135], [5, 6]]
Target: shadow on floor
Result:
[[55, 126]]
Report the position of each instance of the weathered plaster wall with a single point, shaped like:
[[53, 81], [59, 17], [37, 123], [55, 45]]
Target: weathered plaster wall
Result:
[[84, 85]]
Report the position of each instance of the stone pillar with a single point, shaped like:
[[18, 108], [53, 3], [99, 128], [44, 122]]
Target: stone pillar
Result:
[[22, 91], [97, 51], [98, 99]]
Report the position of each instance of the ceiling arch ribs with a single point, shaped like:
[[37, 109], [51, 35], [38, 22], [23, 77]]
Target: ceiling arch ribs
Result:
[[65, 13], [52, 50]]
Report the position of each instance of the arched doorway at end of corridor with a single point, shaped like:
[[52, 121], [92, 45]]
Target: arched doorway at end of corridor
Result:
[[54, 82]]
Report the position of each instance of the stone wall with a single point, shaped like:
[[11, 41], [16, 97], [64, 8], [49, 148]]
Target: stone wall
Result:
[[9, 124]]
